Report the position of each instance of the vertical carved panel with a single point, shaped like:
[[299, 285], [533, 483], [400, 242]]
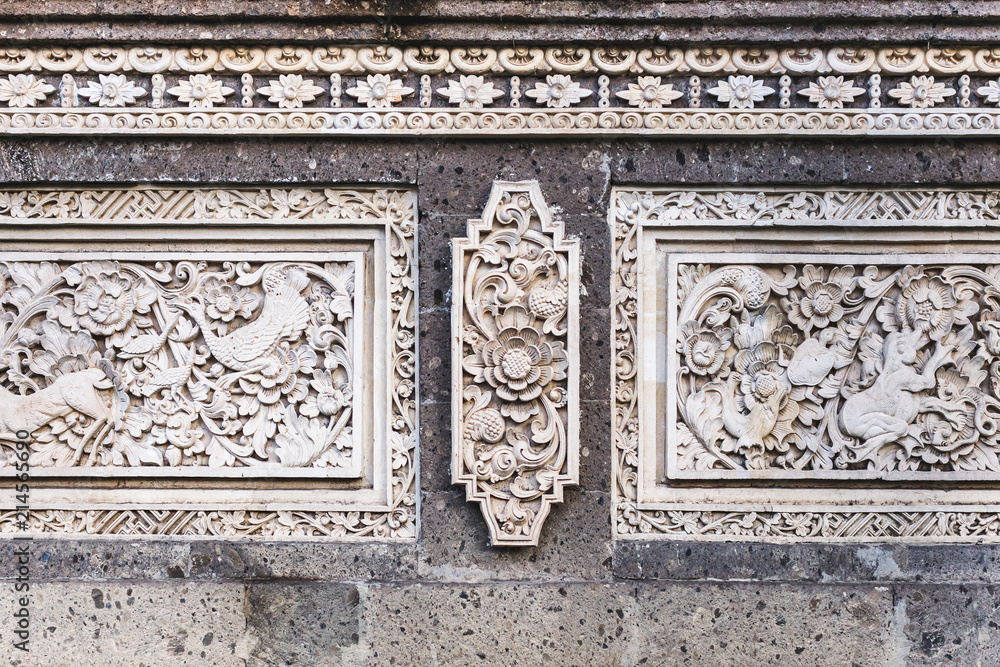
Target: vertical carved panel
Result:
[[515, 347]]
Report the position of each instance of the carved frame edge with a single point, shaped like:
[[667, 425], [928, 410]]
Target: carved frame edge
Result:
[[633, 520]]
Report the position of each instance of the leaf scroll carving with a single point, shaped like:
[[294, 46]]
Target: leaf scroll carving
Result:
[[220, 364], [516, 332], [849, 368]]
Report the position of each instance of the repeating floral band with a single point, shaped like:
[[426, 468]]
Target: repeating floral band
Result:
[[430, 89]]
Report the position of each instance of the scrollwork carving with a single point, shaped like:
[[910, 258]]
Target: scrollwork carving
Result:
[[165, 368], [515, 362], [856, 371]]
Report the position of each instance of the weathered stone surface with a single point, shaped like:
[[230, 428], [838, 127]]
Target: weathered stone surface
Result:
[[763, 625], [948, 625], [455, 543], [299, 624], [818, 563], [121, 623], [502, 624]]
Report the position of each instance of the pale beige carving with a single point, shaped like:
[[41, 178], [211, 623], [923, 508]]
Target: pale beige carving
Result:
[[161, 366], [515, 336], [741, 92], [24, 90], [842, 368], [382, 80]]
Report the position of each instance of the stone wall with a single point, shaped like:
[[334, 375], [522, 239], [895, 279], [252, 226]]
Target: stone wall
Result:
[[579, 597]]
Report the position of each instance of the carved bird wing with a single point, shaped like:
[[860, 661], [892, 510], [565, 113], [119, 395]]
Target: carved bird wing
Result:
[[284, 316]]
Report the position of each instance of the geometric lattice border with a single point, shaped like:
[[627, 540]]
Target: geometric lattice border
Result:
[[398, 519], [631, 209]]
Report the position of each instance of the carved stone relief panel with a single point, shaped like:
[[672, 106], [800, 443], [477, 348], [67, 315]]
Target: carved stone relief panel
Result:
[[242, 363], [515, 362], [790, 365]]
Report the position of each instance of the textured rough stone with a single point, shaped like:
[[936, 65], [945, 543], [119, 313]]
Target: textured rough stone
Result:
[[502, 624], [947, 625], [455, 543], [297, 624], [200, 560], [744, 624], [121, 623], [505, 22]]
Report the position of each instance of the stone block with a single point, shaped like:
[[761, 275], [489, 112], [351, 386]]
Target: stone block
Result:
[[762, 624], [947, 625], [500, 624], [454, 544], [132, 623], [302, 624]]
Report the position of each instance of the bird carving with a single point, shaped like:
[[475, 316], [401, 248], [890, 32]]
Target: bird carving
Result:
[[284, 316], [147, 343], [171, 377]]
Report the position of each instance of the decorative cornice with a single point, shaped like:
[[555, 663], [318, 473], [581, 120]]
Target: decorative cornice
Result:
[[451, 122], [610, 59], [565, 90]]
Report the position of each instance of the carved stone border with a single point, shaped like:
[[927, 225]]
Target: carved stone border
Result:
[[515, 362], [413, 122], [609, 89], [632, 210], [522, 60], [398, 519]]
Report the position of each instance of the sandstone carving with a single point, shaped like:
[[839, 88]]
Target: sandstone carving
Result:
[[227, 366], [216, 359], [837, 368], [373, 89], [515, 362], [874, 375]]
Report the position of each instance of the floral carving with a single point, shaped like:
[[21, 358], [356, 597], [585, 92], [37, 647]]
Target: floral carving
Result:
[[380, 91], [470, 92], [24, 90], [201, 91], [168, 365], [215, 399], [859, 368], [517, 363], [741, 92], [844, 370], [515, 443], [921, 92], [290, 91], [649, 93], [112, 90], [558, 91], [106, 301], [821, 301], [832, 92], [990, 92]]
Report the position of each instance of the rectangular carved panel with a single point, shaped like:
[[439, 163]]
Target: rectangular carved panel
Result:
[[791, 366], [240, 364]]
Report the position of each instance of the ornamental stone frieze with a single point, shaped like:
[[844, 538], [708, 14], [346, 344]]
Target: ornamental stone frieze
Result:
[[515, 362], [790, 366], [562, 89], [241, 364]]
